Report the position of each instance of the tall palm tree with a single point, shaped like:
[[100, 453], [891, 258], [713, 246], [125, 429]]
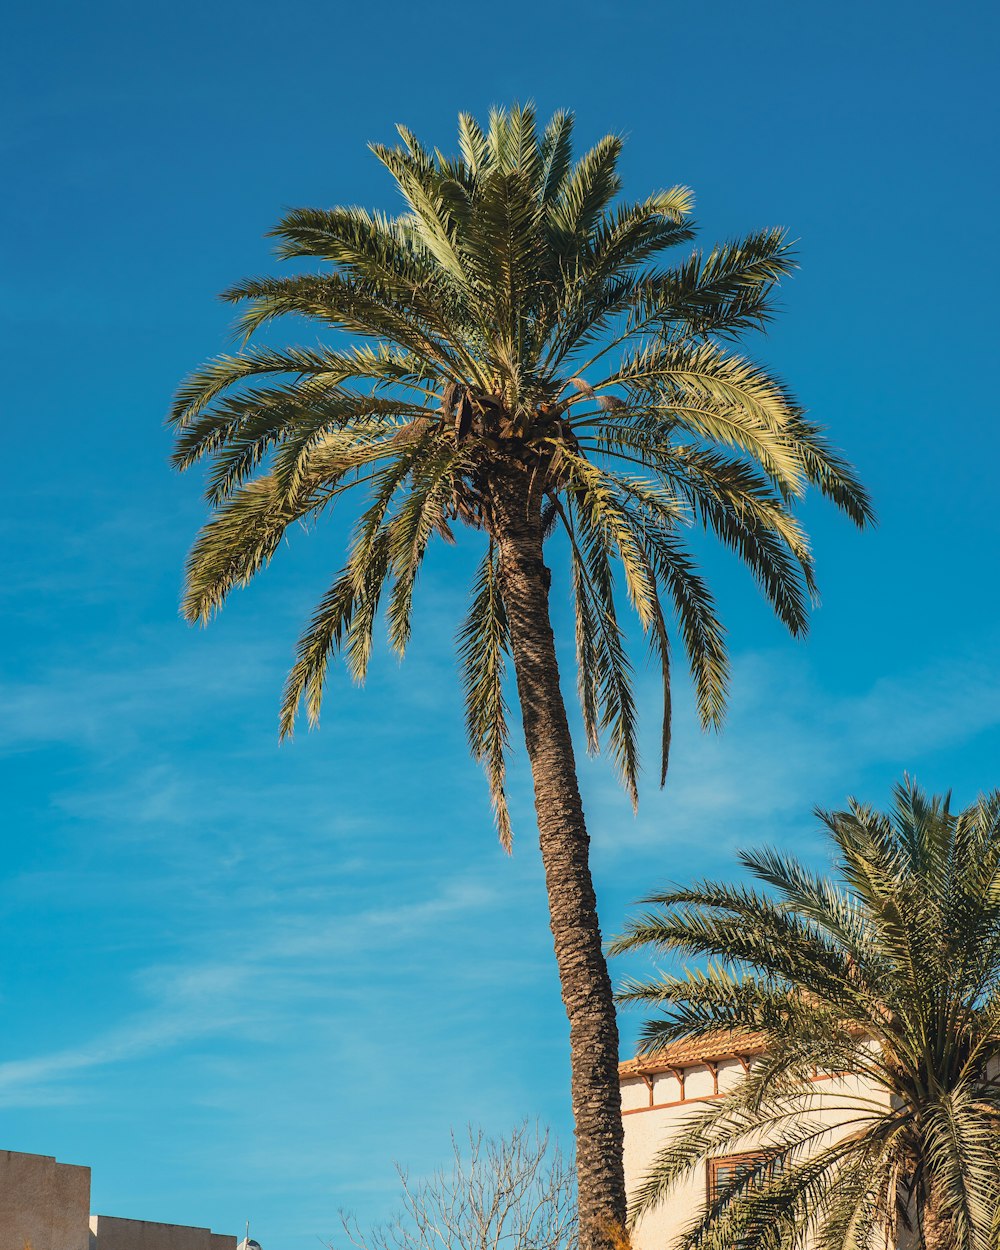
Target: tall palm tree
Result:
[[891, 971], [525, 368]]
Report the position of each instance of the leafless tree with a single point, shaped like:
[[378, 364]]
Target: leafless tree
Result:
[[516, 1192]]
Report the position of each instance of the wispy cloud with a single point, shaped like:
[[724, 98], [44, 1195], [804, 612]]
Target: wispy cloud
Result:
[[283, 937], [262, 971], [275, 949], [780, 756]]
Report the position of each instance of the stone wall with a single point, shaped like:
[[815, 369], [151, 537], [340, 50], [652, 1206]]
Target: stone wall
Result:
[[43, 1204]]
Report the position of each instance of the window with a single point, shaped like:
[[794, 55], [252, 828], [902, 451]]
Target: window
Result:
[[724, 1173]]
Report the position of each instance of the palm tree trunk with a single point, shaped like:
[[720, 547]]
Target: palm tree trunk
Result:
[[565, 845], [938, 1228]]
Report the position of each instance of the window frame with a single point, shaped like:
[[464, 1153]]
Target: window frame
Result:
[[713, 1165]]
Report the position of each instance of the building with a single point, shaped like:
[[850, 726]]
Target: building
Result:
[[45, 1205], [659, 1092]]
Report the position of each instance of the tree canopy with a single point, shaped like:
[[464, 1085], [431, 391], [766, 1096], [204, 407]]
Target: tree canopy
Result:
[[513, 315]]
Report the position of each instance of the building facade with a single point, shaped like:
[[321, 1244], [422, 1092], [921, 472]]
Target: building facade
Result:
[[45, 1205], [660, 1092]]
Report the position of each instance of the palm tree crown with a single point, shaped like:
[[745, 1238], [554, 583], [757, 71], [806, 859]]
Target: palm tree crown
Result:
[[890, 971], [520, 329]]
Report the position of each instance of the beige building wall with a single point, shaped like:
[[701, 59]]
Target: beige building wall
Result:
[[110, 1233], [655, 1106], [45, 1205]]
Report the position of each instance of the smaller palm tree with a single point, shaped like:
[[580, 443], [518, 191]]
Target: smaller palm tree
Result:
[[891, 972]]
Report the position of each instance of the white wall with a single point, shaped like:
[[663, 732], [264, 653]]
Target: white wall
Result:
[[647, 1129]]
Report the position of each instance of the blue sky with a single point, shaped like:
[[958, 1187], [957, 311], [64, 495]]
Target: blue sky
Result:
[[241, 980]]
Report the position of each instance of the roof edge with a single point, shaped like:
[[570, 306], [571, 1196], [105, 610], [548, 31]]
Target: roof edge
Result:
[[691, 1052]]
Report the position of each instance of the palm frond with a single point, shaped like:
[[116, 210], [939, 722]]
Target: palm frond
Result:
[[484, 644]]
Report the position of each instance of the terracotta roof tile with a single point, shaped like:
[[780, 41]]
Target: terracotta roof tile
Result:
[[692, 1051]]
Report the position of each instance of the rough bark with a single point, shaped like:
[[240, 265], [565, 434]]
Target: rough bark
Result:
[[565, 846], [938, 1229]]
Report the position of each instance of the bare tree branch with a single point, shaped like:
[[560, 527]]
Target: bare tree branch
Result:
[[516, 1192]]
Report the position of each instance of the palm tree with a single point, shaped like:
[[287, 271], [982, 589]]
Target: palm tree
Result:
[[523, 368], [889, 971]]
